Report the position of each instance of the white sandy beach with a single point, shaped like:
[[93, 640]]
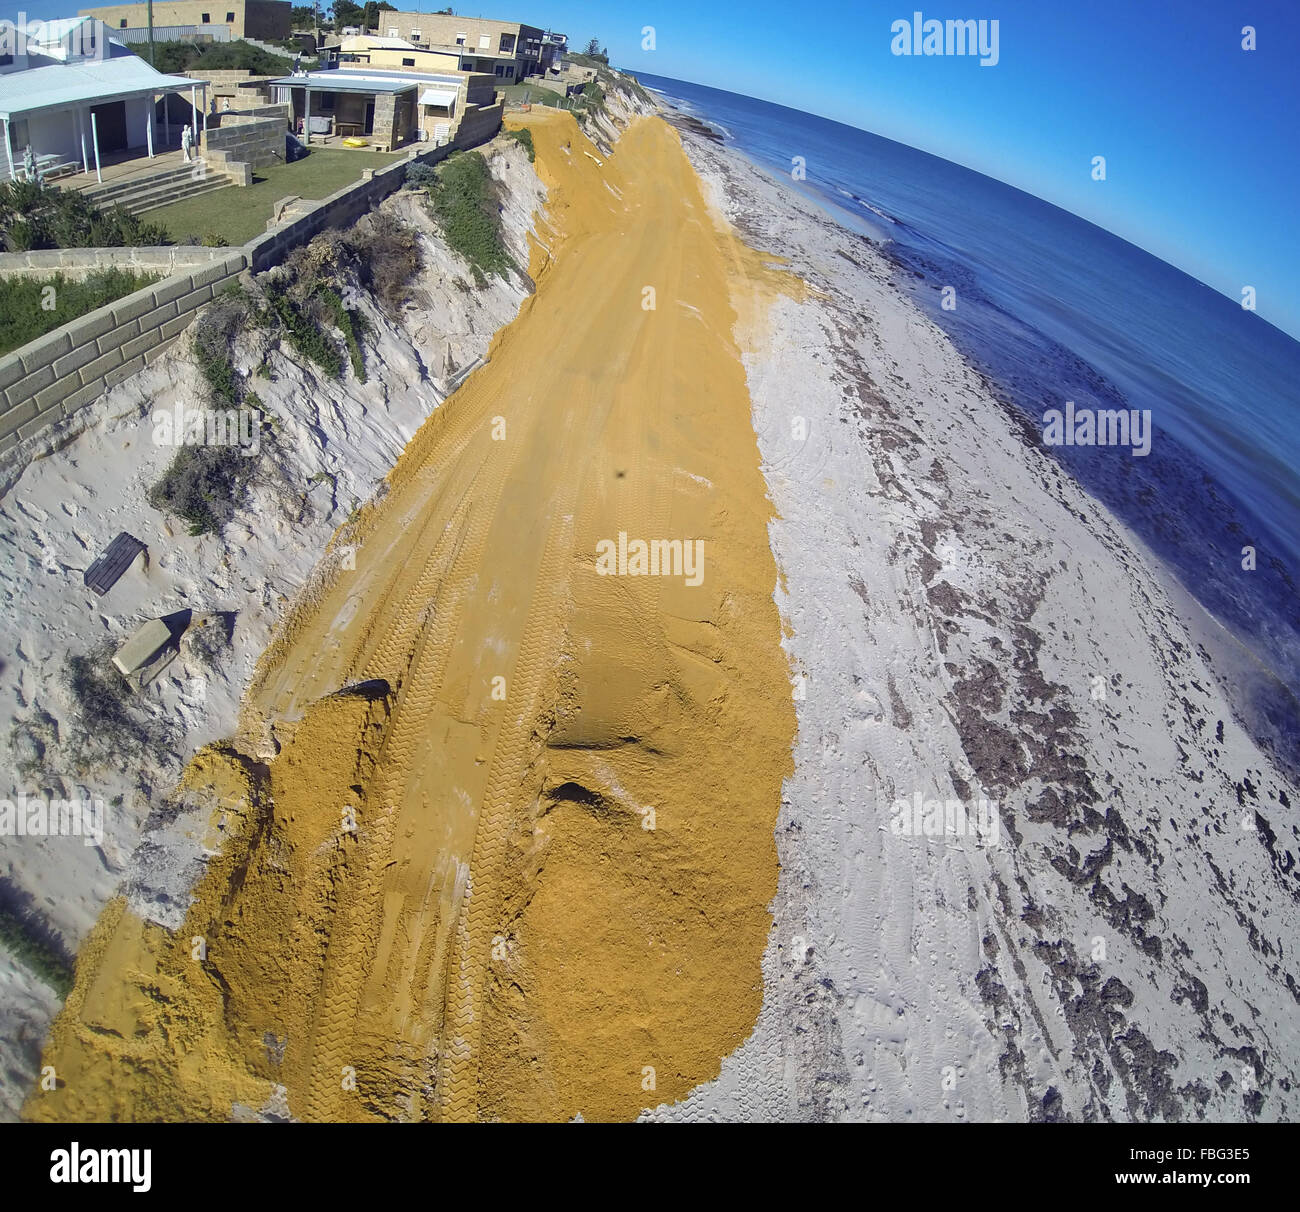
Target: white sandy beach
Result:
[[970, 624]]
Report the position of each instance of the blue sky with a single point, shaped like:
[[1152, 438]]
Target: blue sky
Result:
[[1201, 138]]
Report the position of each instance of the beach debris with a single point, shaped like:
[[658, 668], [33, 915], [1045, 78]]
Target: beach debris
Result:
[[146, 653], [108, 568]]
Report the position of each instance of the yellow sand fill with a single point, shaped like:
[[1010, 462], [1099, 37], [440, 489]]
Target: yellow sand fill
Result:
[[514, 855]]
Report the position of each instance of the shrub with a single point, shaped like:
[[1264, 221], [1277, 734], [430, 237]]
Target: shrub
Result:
[[466, 205], [213, 340], [209, 639], [34, 216], [351, 324], [388, 257], [306, 337], [524, 137], [421, 176], [30, 939], [107, 724], [593, 96], [23, 316], [179, 58], [204, 485]]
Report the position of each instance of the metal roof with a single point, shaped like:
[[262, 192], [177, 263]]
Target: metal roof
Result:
[[61, 85], [346, 82]]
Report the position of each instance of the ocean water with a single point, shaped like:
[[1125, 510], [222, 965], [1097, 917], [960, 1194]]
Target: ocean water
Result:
[[1053, 308]]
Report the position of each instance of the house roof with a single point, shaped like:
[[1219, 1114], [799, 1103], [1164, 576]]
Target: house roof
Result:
[[61, 85], [366, 42], [347, 82]]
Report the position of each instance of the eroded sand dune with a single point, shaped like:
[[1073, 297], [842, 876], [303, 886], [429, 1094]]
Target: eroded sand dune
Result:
[[504, 848]]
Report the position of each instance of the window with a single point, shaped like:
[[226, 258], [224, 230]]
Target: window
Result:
[[205, 18], [507, 44], [392, 31], [484, 42], [417, 36], [230, 18], [122, 24], [460, 39], [501, 71], [408, 62]]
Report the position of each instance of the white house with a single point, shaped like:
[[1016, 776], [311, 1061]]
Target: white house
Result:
[[74, 95]]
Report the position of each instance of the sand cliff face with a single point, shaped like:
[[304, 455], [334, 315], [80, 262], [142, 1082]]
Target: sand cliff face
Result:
[[501, 844]]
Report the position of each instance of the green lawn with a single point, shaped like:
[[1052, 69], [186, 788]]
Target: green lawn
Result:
[[241, 212], [538, 94]]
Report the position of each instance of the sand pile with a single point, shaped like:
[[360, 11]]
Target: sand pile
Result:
[[496, 839]]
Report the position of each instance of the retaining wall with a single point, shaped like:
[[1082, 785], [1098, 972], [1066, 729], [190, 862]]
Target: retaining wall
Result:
[[347, 205], [53, 376], [242, 139], [50, 378], [76, 263]]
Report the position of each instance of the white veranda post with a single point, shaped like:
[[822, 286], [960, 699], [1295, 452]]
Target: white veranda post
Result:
[[94, 138], [81, 139], [9, 151]]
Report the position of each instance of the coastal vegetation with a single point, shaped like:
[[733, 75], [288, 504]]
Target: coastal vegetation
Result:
[[31, 307], [35, 216], [204, 484], [524, 137], [26, 935], [465, 201], [180, 58], [106, 724]]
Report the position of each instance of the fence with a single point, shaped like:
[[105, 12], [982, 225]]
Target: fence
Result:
[[172, 33]]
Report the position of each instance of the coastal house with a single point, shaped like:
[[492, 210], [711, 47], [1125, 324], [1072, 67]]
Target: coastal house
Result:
[[264, 19], [509, 51], [81, 100], [389, 109], [392, 54]]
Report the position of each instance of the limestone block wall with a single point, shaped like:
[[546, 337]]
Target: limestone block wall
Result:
[[50, 378]]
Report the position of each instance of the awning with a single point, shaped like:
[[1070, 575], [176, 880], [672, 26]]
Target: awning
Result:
[[446, 97]]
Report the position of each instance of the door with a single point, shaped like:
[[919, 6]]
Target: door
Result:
[[370, 117], [110, 122]]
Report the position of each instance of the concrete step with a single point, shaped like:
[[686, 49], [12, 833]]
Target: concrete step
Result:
[[178, 193], [107, 195]]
